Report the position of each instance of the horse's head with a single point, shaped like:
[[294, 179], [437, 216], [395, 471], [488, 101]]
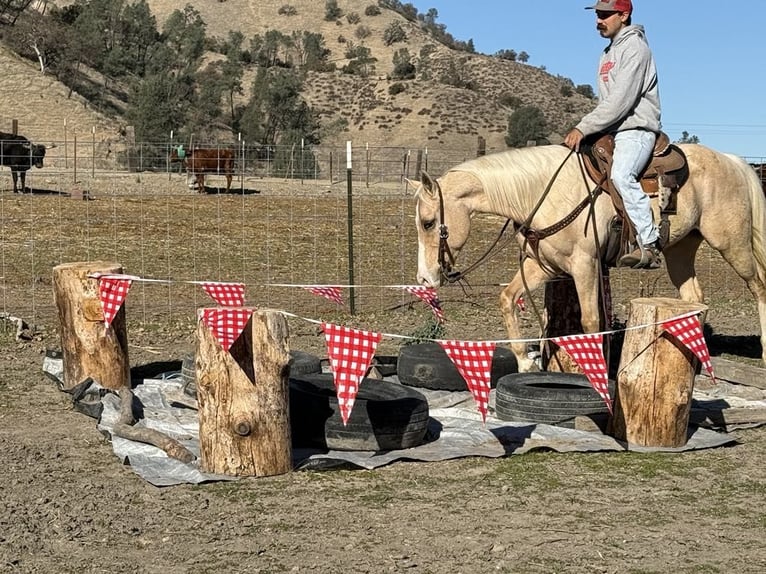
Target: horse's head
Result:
[[443, 222]]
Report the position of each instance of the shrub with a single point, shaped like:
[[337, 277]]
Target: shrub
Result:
[[394, 33], [396, 88], [353, 18], [331, 10], [372, 10], [362, 32], [510, 101], [287, 10]]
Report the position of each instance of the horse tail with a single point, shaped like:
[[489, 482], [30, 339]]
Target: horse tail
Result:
[[758, 211]]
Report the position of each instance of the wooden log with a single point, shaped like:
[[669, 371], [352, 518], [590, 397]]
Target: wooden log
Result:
[[739, 373], [242, 396], [563, 317], [89, 349], [656, 376]]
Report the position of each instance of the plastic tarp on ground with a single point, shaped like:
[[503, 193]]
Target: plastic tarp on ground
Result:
[[455, 430]]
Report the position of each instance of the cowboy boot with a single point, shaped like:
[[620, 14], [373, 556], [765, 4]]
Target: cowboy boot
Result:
[[646, 257]]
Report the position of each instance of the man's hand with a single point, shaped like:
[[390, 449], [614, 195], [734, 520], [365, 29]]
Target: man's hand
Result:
[[573, 139]]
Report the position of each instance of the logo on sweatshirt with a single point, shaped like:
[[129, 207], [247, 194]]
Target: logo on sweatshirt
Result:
[[605, 69]]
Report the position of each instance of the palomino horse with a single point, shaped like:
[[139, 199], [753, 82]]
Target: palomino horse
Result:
[[722, 203]]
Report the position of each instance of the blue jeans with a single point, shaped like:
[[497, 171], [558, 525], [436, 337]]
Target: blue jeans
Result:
[[632, 152]]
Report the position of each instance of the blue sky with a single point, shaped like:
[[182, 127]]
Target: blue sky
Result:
[[711, 55]]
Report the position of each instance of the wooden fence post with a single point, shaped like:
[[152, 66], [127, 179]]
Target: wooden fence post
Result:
[[244, 421], [656, 376], [89, 349]]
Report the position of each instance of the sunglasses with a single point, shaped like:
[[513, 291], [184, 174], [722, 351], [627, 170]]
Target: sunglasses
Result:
[[604, 15]]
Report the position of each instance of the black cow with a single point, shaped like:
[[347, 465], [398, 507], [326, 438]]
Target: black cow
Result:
[[18, 153]]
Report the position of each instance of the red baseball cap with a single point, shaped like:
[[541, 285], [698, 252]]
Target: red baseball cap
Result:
[[613, 6]]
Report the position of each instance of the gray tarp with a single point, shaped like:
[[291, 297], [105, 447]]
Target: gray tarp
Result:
[[454, 420]]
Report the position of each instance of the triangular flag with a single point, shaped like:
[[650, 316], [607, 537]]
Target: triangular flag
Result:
[[473, 360], [350, 352], [111, 293], [226, 294], [429, 296], [587, 351], [226, 324], [689, 331], [331, 293]]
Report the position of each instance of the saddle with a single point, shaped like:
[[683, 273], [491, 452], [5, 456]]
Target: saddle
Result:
[[666, 172]]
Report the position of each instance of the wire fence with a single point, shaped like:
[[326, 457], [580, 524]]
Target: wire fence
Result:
[[284, 226]]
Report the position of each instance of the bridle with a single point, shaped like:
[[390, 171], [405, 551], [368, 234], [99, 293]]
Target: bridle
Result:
[[532, 237], [447, 259]]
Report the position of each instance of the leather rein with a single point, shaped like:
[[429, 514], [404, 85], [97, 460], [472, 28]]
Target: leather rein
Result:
[[532, 237]]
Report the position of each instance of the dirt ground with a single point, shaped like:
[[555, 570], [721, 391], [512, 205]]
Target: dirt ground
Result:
[[68, 505]]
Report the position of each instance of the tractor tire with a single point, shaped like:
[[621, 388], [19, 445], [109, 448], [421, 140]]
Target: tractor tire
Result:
[[427, 366], [385, 416], [547, 397]]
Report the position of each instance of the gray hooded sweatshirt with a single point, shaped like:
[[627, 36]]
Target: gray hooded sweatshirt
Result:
[[627, 87]]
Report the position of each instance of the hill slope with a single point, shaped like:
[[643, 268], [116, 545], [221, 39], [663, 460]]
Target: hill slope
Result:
[[425, 113]]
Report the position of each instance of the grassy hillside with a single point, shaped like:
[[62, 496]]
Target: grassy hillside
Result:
[[425, 113]]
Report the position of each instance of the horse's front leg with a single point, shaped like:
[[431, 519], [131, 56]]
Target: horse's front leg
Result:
[[587, 283], [534, 276]]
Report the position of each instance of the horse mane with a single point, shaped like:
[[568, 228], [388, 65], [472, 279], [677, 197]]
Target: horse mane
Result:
[[514, 179]]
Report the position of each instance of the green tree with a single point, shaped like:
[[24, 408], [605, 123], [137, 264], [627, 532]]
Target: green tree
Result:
[[404, 69], [687, 138], [526, 124], [585, 90], [361, 62], [276, 113]]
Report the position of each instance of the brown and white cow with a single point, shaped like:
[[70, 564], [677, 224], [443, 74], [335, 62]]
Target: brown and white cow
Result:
[[18, 153], [201, 161]]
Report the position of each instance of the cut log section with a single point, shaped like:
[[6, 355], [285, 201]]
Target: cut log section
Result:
[[89, 349], [242, 395], [656, 376]]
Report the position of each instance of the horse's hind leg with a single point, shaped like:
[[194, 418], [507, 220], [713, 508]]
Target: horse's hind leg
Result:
[[739, 254], [679, 260], [534, 277]]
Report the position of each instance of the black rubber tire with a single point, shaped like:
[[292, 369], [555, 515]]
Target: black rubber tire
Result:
[[189, 375], [301, 363], [386, 415], [426, 365], [547, 397]]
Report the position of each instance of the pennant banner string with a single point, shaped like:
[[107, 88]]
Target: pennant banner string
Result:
[[395, 336]]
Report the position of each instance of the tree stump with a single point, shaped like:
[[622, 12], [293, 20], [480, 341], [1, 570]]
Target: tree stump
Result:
[[656, 377], [242, 394], [89, 349], [562, 317]]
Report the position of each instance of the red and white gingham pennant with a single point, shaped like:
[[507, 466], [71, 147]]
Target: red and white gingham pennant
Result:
[[331, 293], [111, 293], [587, 351], [351, 352], [226, 294], [226, 324], [689, 331], [428, 295], [473, 360]]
